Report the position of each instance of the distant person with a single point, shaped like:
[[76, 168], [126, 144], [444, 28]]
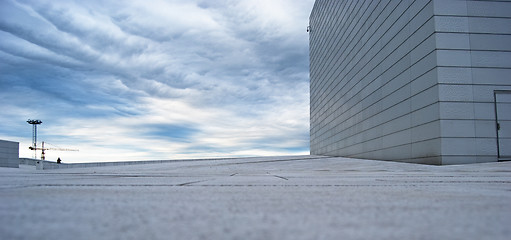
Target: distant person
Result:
[[59, 161]]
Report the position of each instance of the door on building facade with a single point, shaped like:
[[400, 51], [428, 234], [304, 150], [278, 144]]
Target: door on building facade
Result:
[[503, 123]]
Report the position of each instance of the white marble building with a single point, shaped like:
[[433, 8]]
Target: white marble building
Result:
[[413, 81], [9, 154]]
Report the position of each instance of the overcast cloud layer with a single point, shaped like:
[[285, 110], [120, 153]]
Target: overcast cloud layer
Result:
[[141, 80]]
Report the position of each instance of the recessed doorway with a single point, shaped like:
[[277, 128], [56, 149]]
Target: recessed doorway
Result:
[[503, 123]]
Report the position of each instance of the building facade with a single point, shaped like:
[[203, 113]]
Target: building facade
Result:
[[9, 154], [424, 81]]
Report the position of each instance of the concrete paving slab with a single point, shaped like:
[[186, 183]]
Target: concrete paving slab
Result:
[[258, 198]]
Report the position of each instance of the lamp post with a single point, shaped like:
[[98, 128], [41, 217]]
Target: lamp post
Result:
[[34, 133]]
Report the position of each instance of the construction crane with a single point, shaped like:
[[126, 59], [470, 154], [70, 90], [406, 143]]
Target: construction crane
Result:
[[42, 148]]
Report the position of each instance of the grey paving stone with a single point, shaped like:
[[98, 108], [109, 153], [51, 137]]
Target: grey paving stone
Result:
[[258, 198]]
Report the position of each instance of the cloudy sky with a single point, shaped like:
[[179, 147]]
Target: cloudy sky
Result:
[[159, 79]]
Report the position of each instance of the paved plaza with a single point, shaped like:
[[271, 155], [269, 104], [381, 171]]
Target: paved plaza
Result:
[[296, 197]]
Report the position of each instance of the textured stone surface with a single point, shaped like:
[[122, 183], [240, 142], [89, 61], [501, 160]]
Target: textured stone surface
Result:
[[304, 197]]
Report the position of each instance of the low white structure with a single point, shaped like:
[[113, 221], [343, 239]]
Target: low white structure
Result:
[[425, 81], [9, 154]]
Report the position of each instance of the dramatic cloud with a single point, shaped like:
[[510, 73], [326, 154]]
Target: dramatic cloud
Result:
[[139, 80]]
